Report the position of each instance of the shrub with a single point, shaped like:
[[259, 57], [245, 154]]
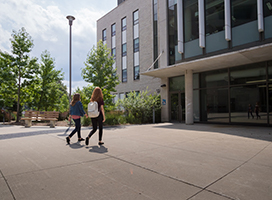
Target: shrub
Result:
[[138, 107], [86, 121], [115, 118]]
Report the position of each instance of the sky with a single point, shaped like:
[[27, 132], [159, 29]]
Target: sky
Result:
[[46, 23]]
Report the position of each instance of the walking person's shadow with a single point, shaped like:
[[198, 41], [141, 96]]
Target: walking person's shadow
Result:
[[76, 145], [98, 149]]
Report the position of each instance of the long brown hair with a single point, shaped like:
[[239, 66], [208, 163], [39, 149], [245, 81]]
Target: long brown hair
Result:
[[97, 95], [76, 98]]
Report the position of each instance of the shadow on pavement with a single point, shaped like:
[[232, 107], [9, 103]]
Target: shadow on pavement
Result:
[[97, 149], [260, 133], [76, 145], [27, 134]]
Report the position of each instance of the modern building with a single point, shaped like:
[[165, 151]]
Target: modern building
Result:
[[211, 60]]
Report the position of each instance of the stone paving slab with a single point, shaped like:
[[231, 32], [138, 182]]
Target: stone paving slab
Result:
[[155, 161], [5, 193], [250, 181]]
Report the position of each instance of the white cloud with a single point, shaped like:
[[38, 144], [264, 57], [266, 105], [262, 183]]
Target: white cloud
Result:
[[75, 85], [4, 38], [46, 23]]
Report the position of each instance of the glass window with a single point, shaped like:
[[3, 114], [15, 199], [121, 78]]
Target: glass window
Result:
[[270, 104], [248, 74], [191, 20], [124, 49], [124, 75], [214, 105], [172, 2], [267, 8], [214, 16], [243, 11], [113, 41], [113, 31], [104, 35], [136, 17], [177, 84], [214, 78], [124, 37], [196, 105], [248, 104], [136, 72], [124, 24], [136, 45], [113, 53], [122, 95], [136, 59], [195, 81], [124, 62], [270, 70], [270, 91], [172, 30], [155, 33], [135, 31], [215, 25], [267, 19]]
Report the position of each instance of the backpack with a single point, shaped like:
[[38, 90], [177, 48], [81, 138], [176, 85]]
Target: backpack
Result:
[[93, 109]]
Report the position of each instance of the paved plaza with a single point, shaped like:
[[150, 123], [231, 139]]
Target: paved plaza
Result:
[[139, 162]]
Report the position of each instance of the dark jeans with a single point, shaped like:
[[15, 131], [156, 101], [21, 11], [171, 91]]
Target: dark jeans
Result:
[[98, 120], [250, 113], [77, 128]]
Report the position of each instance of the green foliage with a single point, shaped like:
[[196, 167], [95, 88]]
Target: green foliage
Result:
[[138, 107], [86, 121], [100, 73], [85, 95], [22, 67], [51, 90], [64, 103], [115, 118], [7, 82], [23, 79]]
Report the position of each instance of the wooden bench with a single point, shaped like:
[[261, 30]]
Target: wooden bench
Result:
[[30, 116]]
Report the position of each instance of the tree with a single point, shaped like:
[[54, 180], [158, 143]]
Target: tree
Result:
[[50, 89], [7, 83], [99, 71], [85, 95], [22, 67]]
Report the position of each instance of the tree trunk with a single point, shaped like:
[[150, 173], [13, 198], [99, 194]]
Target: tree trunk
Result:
[[18, 101]]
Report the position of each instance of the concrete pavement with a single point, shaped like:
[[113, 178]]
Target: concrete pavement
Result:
[[143, 162]]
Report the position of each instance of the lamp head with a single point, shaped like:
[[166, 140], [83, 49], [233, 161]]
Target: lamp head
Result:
[[71, 19]]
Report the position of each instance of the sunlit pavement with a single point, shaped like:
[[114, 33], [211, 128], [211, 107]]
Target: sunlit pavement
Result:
[[155, 161]]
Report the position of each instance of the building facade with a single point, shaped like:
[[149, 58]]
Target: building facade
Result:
[[127, 32], [210, 60]]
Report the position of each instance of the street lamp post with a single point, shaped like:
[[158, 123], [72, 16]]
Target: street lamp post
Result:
[[71, 19]]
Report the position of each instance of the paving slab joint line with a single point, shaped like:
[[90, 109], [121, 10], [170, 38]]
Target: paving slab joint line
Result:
[[56, 167], [173, 178], [223, 195], [6, 181], [153, 171]]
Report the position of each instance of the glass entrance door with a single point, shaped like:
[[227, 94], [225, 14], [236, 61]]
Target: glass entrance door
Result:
[[177, 107]]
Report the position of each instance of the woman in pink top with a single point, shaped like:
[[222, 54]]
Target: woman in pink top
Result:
[[76, 111]]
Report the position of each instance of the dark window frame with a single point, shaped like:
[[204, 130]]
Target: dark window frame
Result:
[[113, 31], [136, 46], [104, 34], [138, 75], [124, 26], [124, 78], [124, 53], [135, 21]]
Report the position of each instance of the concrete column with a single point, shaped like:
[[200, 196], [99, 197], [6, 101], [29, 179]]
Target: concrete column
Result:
[[189, 115], [165, 100]]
